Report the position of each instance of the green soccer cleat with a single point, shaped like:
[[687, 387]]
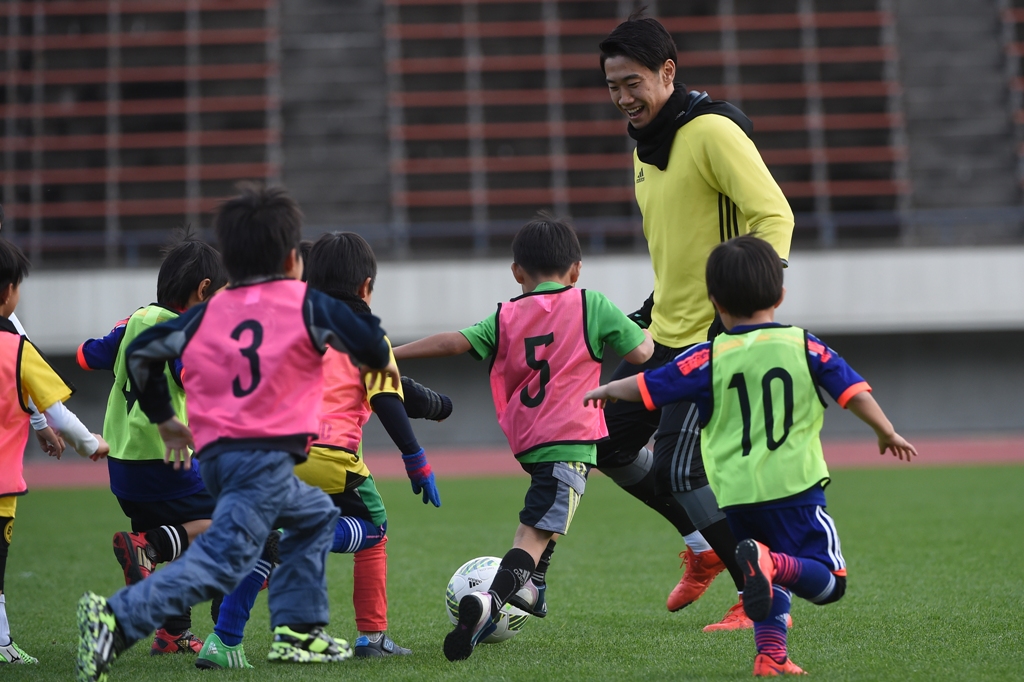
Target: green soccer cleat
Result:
[[12, 653], [99, 641], [216, 655], [315, 646]]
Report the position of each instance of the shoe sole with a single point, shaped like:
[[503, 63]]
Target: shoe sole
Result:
[[204, 664], [87, 667], [458, 644], [126, 557], [757, 589]]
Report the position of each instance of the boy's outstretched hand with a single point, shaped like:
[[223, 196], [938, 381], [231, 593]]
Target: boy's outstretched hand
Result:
[[897, 444], [599, 397], [52, 444], [377, 378], [177, 439], [621, 389], [102, 451]]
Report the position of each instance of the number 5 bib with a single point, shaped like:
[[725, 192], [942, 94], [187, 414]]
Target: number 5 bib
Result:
[[762, 441], [251, 369], [542, 366]]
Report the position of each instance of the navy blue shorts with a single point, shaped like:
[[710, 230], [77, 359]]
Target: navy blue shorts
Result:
[[148, 515], [805, 531]]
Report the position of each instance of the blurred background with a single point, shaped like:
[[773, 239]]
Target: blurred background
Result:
[[435, 128]]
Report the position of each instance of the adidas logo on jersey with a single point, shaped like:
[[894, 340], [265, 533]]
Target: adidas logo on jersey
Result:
[[640, 176]]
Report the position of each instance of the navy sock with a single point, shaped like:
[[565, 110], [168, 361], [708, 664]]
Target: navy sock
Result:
[[352, 534], [770, 633], [234, 611], [807, 578]]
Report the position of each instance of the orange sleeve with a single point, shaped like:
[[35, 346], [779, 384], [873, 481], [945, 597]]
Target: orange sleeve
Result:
[[81, 358], [859, 387], [644, 393]]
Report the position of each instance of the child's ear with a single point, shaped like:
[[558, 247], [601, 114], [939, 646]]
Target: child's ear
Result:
[[574, 271], [203, 290], [718, 307], [518, 273], [366, 288], [6, 293]]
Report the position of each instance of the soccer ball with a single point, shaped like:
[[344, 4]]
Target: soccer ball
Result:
[[476, 576]]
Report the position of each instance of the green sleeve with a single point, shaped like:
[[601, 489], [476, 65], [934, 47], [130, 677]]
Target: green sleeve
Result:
[[482, 337], [606, 324], [731, 164]]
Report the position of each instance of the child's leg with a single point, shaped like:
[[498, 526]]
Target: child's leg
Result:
[[7, 524], [770, 633], [369, 588], [250, 487], [808, 579], [298, 588], [236, 607]]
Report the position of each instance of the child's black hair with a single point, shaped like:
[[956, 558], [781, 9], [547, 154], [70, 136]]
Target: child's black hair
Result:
[[744, 275], [186, 264], [256, 231], [642, 39], [305, 246], [14, 265], [546, 246], [339, 263]]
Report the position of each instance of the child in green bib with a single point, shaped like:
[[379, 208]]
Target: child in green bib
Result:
[[757, 387]]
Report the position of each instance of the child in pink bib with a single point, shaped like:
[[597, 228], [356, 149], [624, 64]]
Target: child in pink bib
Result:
[[546, 348]]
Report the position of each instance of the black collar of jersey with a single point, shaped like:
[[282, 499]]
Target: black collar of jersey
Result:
[[541, 293], [654, 141], [8, 326]]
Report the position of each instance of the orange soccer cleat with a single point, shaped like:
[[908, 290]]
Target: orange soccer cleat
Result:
[[166, 643], [136, 556], [765, 666], [755, 561], [701, 569], [736, 619]]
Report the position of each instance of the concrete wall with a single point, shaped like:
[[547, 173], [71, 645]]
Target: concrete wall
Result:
[[938, 333]]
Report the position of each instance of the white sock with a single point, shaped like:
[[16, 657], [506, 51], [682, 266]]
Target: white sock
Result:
[[172, 533], [5, 627], [696, 542]]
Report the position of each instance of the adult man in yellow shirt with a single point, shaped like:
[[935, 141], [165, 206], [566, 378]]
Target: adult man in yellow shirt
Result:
[[699, 181]]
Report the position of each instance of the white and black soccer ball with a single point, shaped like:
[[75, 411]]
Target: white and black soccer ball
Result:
[[476, 576]]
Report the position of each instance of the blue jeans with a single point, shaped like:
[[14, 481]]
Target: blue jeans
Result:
[[255, 490]]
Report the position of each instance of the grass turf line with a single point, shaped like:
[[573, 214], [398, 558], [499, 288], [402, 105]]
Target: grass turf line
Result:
[[934, 556]]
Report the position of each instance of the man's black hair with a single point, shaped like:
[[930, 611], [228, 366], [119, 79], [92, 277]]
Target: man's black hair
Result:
[[14, 265], [304, 248], [546, 246], [744, 275], [339, 263], [642, 39], [186, 264], [256, 230]]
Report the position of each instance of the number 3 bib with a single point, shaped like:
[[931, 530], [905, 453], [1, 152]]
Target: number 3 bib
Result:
[[252, 369], [542, 367]]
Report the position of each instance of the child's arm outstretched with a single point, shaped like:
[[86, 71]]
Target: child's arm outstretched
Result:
[[868, 411], [627, 389], [440, 345]]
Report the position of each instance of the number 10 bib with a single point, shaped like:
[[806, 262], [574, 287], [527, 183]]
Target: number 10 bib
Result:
[[542, 366], [251, 370], [762, 443]]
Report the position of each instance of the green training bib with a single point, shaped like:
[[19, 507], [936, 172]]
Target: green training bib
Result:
[[762, 441], [125, 423]]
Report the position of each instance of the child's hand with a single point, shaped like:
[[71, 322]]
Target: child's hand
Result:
[[102, 451], [599, 397], [897, 443], [376, 378], [177, 439], [50, 442]]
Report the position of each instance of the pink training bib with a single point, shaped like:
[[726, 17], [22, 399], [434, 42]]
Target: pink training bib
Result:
[[253, 371], [542, 367], [13, 418], [345, 409]]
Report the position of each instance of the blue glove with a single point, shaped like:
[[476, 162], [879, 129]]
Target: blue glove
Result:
[[418, 469]]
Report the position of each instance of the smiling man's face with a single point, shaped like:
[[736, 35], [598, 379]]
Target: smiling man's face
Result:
[[638, 92]]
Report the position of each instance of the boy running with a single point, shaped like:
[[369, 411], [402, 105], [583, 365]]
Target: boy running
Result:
[[26, 379], [757, 389], [168, 506], [545, 348], [254, 380]]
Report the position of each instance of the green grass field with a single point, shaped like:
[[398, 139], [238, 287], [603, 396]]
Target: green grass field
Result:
[[936, 583]]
